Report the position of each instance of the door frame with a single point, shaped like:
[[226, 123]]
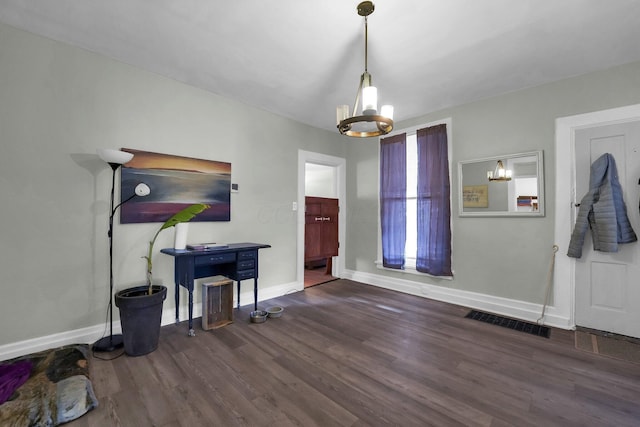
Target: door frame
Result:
[[566, 127], [339, 164]]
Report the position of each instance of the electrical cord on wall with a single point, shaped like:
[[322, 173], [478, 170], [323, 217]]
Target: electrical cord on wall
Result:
[[549, 282]]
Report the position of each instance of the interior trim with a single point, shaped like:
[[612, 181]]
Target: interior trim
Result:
[[566, 127], [503, 306]]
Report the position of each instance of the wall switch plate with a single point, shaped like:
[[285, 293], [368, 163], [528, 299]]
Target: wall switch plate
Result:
[[234, 188], [294, 206]]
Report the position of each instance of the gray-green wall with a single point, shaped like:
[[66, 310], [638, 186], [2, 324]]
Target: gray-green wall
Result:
[[502, 257], [58, 104]]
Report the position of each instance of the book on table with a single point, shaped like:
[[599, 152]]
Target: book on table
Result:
[[206, 246]]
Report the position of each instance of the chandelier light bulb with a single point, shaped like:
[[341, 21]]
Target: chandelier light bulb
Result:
[[387, 111], [342, 112], [369, 100]]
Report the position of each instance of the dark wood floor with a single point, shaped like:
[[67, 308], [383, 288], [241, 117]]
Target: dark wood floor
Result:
[[316, 276], [348, 354]]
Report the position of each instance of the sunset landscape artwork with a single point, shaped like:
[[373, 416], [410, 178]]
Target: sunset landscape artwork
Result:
[[175, 182]]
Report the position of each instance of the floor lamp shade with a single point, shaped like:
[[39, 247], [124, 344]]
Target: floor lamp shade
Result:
[[118, 157]]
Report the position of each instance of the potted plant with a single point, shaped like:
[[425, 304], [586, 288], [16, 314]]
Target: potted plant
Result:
[[141, 306]]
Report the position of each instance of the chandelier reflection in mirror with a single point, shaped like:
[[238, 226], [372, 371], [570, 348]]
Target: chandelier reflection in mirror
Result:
[[500, 173], [369, 123]]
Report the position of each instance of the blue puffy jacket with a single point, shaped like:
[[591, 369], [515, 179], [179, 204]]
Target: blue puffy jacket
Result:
[[602, 209]]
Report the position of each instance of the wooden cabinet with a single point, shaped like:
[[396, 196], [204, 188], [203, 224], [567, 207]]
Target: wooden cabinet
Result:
[[321, 228]]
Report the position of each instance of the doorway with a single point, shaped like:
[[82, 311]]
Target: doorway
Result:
[[320, 236], [596, 291], [607, 297], [323, 176]]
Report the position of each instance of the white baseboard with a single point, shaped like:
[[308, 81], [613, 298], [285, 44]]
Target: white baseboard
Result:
[[93, 333], [502, 306], [77, 336]]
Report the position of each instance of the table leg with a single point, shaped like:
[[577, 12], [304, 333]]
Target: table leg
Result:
[[192, 333], [255, 293], [176, 298], [238, 294]]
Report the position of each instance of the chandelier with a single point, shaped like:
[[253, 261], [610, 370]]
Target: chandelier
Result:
[[369, 123]]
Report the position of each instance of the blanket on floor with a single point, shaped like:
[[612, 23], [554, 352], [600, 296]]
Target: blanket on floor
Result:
[[57, 390]]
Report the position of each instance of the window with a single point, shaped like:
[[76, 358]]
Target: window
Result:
[[411, 244], [415, 194]]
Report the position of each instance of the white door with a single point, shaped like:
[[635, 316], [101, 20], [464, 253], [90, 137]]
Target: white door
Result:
[[607, 284]]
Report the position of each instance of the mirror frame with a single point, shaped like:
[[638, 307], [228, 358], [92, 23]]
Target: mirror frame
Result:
[[540, 172]]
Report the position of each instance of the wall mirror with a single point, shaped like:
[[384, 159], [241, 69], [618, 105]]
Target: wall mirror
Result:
[[510, 185]]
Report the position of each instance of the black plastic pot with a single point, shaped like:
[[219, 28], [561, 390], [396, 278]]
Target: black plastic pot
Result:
[[140, 317]]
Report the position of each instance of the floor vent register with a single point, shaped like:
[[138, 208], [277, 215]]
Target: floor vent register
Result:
[[517, 325]]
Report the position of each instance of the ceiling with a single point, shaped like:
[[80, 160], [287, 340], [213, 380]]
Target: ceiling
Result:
[[300, 59]]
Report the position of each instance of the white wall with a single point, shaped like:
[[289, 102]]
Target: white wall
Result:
[[58, 104], [513, 123]]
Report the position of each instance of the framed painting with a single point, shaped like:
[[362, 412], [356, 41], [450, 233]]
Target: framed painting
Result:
[[175, 182], [475, 196]]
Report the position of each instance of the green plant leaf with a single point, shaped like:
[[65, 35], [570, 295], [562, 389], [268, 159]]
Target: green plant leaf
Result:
[[185, 215]]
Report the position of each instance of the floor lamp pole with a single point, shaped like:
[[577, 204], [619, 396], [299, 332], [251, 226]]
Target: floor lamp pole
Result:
[[111, 342]]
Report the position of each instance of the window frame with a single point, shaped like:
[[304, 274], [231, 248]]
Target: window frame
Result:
[[410, 262]]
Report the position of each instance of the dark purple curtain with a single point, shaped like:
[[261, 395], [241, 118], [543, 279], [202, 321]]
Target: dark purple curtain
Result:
[[393, 202], [434, 208]]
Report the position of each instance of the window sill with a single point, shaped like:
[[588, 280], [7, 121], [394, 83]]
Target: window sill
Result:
[[410, 268]]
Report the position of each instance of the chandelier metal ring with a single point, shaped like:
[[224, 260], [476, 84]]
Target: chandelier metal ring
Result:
[[384, 125]]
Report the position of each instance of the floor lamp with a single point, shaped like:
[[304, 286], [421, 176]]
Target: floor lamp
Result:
[[115, 159]]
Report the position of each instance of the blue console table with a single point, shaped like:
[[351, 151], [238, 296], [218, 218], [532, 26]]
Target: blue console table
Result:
[[237, 261]]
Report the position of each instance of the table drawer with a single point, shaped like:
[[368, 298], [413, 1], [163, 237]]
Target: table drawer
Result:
[[245, 274], [247, 255], [215, 259], [246, 264]]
